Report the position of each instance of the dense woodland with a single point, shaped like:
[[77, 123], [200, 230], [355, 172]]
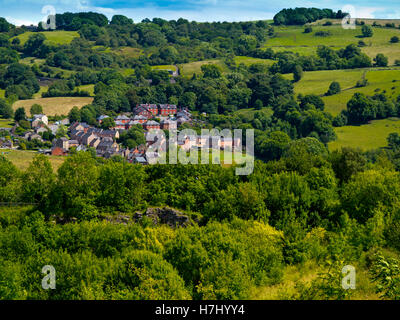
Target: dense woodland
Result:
[[302, 203]]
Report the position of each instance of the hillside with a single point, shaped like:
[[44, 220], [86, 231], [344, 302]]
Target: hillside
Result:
[[293, 38]]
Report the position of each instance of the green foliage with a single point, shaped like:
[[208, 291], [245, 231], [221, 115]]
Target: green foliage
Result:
[[6, 110], [297, 73], [108, 123], [367, 31], [300, 16], [334, 88], [328, 285], [381, 60], [36, 109], [211, 71], [386, 273], [20, 114]]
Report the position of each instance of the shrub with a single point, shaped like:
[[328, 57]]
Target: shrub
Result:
[[362, 43], [323, 34], [308, 29], [334, 88], [367, 31]]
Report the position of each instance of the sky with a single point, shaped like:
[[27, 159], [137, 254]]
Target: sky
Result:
[[32, 11]]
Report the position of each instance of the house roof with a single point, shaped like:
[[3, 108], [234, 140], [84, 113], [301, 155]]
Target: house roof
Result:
[[38, 116], [102, 117], [152, 123], [141, 160], [139, 117], [122, 117]]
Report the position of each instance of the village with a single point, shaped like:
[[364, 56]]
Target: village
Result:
[[80, 136]]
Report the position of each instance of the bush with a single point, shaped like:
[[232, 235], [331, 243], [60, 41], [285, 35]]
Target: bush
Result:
[[334, 88], [394, 39], [381, 60], [308, 29], [367, 31], [361, 44], [362, 83], [323, 34]]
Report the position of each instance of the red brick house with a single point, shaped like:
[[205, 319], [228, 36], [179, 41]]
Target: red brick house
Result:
[[144, 110], [167, 109], [140, 119], [119, 125], [57, 151], [122, 119], [152, 125]]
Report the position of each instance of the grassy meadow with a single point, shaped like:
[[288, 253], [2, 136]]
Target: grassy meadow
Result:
[[88, 87], [53, 37], [366, 137], [295, 276], [54, 106], [6, 123], [188, 69], [249, 113], [385, 80], [22, 159], [292, 38], [164, 67], [249, 61]]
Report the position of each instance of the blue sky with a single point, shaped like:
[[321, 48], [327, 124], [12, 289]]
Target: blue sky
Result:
[[30, 11]]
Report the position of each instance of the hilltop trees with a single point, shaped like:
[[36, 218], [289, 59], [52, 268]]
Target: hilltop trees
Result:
[[4, 25], [300, 16], [121, 20]]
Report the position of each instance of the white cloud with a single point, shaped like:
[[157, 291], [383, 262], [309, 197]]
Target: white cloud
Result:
[[20, 22]]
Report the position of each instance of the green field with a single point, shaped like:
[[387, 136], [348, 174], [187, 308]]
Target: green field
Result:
[[54, 106], [164, 67], [317, 82], [6, 123], [2, 93], [42, 89], [127, 72], [188, 69], [249, 113], [89, 88], [127, 52], [292, 38], [22, 159], [249, 61], [366, 137], [31, 61], [53, 37]]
